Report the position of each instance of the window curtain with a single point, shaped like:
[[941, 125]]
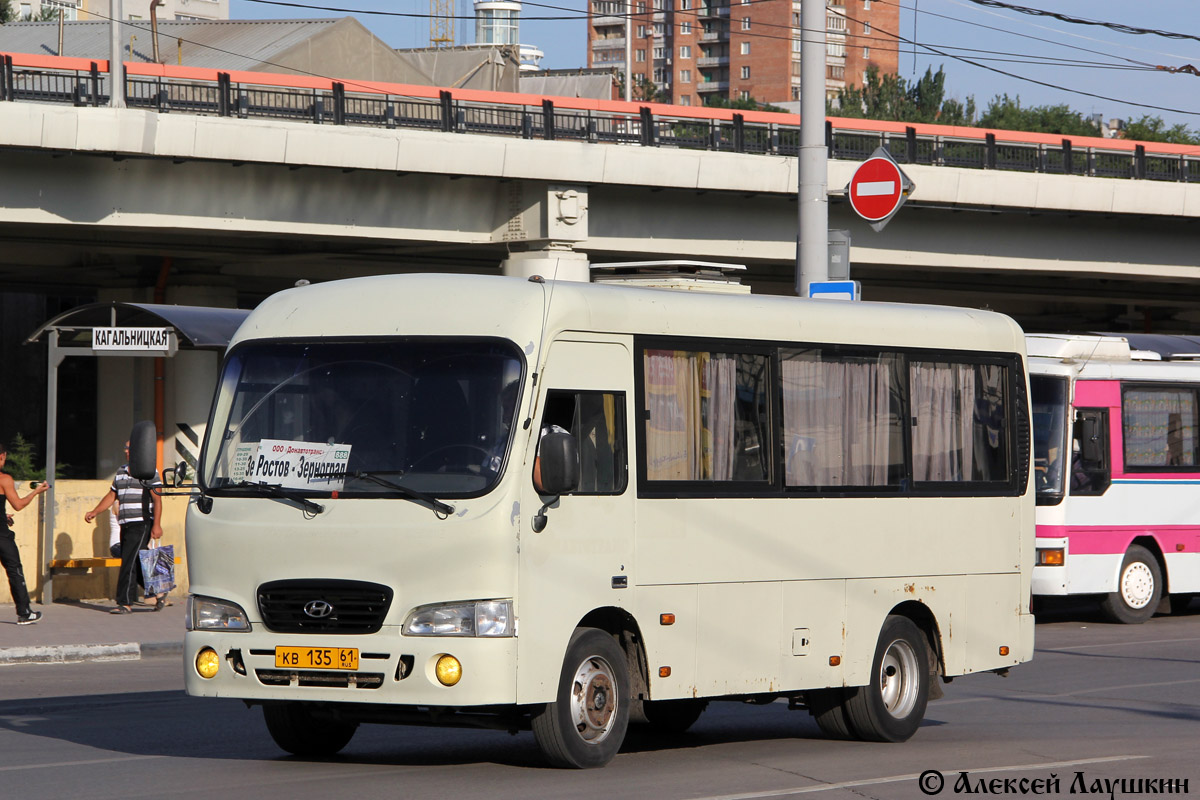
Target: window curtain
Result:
[[691, 402], [836, 421], [943, 400], [1160, 428]]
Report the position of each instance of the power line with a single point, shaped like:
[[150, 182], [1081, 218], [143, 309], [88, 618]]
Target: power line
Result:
[[1116, 26], [891, 34], [1018, 58], [1015, 76], [409, 15], [1009, 32]]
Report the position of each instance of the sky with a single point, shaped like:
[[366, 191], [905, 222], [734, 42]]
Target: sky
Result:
[[1086, 58]]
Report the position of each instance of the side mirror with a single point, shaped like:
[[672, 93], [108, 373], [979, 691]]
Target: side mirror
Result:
[[143, 440], [559, 455], [177, 475]]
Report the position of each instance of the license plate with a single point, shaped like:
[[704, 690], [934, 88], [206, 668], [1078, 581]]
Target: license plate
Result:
[[317, 657]]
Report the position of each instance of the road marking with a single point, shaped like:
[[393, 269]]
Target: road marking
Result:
[[824, 787], [1114, 644], [875, 188], [57, 764]]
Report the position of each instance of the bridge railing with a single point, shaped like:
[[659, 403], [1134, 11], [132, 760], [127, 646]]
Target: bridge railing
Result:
[[250, 95]]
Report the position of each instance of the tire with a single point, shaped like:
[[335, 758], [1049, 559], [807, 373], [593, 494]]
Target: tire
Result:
[[585, 725], [296, 730], [1139, 588], [891, 707], [828, 708], [673, 717]]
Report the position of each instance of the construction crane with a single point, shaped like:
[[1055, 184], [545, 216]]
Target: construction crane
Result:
[[441, 23]]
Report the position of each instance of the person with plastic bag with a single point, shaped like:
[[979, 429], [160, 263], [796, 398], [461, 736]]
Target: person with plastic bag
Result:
[[139, 515], [10, 556]]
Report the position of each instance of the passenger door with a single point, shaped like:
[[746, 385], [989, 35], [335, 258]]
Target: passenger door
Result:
[[582, 559]]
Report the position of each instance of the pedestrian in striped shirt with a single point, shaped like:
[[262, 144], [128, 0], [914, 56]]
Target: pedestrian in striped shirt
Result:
[[140, 517]]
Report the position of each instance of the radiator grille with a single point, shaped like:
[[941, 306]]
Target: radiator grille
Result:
[[349, 607], [334, 680]]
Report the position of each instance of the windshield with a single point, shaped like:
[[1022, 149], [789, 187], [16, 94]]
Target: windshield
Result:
[[433, 416], [1049, 399]]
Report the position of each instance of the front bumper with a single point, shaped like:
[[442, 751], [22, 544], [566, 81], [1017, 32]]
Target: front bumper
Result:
[[392, 669]]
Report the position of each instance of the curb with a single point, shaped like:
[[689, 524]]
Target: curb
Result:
[[78, 653]]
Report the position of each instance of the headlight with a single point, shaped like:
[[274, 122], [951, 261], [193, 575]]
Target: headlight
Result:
[[209, 614], [479, 618]]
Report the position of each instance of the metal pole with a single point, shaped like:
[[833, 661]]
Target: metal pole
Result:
[[116, 68], [53, 359], [628, 50], [812, 249]]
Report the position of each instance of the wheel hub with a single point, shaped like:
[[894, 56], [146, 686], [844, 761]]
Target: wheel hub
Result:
[[1137, 585], [898, 679], [593, 701]]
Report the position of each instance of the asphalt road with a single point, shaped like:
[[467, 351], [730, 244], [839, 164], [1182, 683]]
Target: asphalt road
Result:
[[1101, 701]]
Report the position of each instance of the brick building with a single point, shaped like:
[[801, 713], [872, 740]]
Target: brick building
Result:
[[692, 50]]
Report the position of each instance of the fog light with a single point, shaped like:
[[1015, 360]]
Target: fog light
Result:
[[448, 670], [207, 663], [1050, 557]]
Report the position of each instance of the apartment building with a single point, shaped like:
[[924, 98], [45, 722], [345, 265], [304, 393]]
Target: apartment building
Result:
[[691, 50]]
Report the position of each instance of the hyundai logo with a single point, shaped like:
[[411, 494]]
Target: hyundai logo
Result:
[[318, 609]]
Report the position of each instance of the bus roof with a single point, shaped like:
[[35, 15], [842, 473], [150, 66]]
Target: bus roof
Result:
[[1113, 346], [442, 304]]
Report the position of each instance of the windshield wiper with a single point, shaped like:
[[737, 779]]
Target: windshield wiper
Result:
[[407, 493], [278, 492]]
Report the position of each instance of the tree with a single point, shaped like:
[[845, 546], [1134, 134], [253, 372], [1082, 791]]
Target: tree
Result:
[[644, 90], [8, 12], [1153, 129], [889, 97], [22, 461], [748, 104], [21, 457], [1007, 114]]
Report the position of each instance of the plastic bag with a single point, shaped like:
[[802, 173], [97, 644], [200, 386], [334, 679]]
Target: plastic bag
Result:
[[158, 569]]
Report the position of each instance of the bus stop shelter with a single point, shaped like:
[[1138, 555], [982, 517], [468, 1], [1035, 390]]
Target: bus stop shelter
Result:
[[120, 330]]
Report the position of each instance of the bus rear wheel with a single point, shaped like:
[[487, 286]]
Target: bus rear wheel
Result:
[[585, 725], [1139, 588], [295, 729], [891, 707], [828, 708]]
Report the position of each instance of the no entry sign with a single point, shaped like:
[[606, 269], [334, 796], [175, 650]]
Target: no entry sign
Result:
[[878, 189]]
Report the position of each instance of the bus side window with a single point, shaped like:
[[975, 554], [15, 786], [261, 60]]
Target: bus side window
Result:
[[597, 421], [1091, 473]]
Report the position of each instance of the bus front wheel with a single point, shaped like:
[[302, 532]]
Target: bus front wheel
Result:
[[891, 707], [1139, 588], [586, 723], [295, 729]]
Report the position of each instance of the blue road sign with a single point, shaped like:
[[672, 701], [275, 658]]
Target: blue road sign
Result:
[[835, 290]]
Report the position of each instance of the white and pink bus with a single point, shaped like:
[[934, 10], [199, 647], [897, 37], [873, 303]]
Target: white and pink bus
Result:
[[1117, 469]]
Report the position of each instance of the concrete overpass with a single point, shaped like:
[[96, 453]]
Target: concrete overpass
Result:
[[96, 197], [145, 205]]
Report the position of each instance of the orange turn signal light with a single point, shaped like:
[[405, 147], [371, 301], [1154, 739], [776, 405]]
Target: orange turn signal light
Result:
[[1003, 649], [1050, 557], [835, 661], [664, 672], [666, 619]]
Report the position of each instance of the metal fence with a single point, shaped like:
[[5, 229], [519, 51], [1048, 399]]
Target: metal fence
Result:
[[339, 107]]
